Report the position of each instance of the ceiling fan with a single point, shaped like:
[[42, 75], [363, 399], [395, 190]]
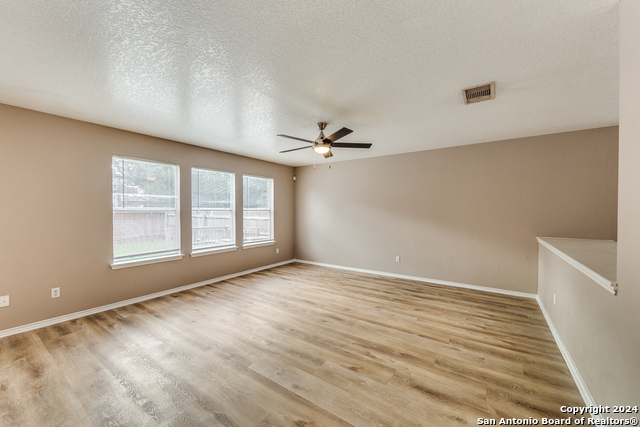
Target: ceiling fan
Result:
[[322, 145]]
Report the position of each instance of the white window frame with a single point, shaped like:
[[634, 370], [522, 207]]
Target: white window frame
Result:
[[151, 257], [271, 239], [196, 252]]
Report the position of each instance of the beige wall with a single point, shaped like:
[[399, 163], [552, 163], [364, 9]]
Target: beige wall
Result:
[[466, 214], [600, 337], [56, 220]]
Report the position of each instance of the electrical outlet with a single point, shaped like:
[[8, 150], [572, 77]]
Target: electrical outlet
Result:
[[277, 250], [398, 259], [55, 292], [554, 299], [4, 301]]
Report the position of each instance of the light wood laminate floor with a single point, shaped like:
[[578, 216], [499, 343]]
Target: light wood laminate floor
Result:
[[296, 345]]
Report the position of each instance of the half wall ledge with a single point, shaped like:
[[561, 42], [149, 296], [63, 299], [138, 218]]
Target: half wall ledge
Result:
[[597, 259]]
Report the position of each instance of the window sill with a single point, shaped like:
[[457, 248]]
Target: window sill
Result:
[[212, 251], [137, 262], [258, 244]]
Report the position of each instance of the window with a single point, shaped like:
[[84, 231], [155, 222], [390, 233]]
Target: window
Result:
[[146, 215], [257, 196], [212, 209]]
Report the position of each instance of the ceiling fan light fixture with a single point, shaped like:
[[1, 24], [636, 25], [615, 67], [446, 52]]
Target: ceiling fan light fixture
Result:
[[322, 148]]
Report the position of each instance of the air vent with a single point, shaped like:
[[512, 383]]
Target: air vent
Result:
[[483, 92]]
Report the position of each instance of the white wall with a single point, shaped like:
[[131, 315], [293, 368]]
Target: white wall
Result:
[[627, 310], [602, 331]]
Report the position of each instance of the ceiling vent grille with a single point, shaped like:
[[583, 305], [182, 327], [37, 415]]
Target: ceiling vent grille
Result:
[[483, 92]]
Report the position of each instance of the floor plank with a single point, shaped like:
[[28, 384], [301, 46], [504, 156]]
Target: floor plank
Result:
[[296, 345]]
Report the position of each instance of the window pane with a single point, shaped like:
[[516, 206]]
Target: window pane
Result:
[[257, 194], [145, 209], [118, 181], [212, 209], [150, 185]]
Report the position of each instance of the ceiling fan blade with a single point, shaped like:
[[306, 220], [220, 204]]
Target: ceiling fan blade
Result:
[[328, 154], [294, 149], [299, 139], [350, 145], [336, 136]]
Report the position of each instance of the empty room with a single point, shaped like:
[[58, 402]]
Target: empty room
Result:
[[269, 213]]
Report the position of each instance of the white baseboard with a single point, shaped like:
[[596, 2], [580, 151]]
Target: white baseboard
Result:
[[423, 279], [582, 387], [78, 314]]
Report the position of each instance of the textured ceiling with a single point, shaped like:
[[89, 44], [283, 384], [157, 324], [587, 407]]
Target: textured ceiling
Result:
[[230, 75]]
